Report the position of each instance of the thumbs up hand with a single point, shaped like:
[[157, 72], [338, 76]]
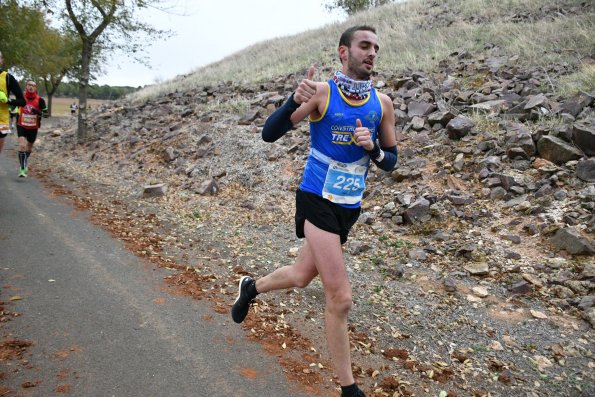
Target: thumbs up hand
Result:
[[307, 88], [362, 136]]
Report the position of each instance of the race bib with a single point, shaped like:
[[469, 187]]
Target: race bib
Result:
[[344, 183], [29, 120]]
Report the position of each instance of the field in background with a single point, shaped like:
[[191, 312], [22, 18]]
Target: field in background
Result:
[[61, 106]]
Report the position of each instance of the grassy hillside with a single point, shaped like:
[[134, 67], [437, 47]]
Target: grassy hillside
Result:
[[417, 34]]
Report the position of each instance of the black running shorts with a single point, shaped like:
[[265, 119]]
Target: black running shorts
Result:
[[30, 135], [323, 214]]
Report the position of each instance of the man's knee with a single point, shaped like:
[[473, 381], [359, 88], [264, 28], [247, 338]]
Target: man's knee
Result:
[[302, 280], [340, 303]]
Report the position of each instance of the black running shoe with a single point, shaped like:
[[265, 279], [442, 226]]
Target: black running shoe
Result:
[[240, 308]]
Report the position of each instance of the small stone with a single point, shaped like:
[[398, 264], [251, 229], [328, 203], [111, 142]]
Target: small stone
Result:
[[521, 288], [481, 292], [449, 284], [478, 269]]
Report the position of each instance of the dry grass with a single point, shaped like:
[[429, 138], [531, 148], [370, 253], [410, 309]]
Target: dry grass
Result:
[[61, 106], [414, 35], [582, 80]]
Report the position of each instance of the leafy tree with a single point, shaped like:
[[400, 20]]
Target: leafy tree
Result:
[[20, 29], [353, 6], [55, 57], [107, 26]]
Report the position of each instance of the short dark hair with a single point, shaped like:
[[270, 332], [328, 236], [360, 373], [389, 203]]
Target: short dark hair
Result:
[[347, 35]]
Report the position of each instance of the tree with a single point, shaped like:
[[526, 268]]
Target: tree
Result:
[[104, 25], [55, 57], [353, 6], [19, 30]]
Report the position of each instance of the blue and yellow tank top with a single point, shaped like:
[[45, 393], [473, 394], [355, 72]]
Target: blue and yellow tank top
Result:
[[332, 142]]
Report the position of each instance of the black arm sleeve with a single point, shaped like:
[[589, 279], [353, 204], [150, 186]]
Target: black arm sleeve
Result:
[[43, 108], [389, 161], [279, 122], [15, 88]]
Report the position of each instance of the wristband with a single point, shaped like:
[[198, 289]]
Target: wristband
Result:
[[375, 152], [291, 103]]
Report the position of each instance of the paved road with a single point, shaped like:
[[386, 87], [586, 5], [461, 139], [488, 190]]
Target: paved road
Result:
[[100, 319]]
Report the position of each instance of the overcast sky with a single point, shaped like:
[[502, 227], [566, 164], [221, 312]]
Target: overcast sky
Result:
[[212, 30]]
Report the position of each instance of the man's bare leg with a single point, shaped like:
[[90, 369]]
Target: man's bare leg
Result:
[[297, 275], [328, 256]]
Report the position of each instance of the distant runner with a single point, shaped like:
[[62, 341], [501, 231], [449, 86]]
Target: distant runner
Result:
[[73, 108], [28, 124], [351, 124]]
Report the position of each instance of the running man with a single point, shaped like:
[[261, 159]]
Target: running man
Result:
[[28, 124], [8, 85], [350, 124]]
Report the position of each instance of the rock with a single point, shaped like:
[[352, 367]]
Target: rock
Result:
[[459, 199], [492, 107], [544, 165], [533, 280], [587, 302], [574, 106], [506, 377], [459, 127], [208, 186], [357, 247], [155, 190], [498, 193], [585, 170], [417, 123], [367, 218], [449, 284], [440, 118], [417, 254], [519, 136], [169, 154], [477, 269], [249, 117], [584, 138], [535, 101], [513, 238], [588, 271], [416, 108], [481, 292], [589, 316], [418, 212], [573, 242], [397, 271], [521, 288], [557, 151]]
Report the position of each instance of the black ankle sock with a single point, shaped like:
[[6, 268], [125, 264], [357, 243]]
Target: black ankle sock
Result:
[[349, 391], [252, 289], [22, 158]]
